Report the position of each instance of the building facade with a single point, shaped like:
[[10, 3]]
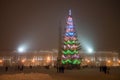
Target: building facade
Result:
[[44, 58]]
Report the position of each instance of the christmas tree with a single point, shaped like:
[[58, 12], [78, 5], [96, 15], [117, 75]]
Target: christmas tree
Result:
[[70, 48]]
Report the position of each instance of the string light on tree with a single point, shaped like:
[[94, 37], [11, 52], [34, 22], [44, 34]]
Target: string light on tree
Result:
[[70, 51]]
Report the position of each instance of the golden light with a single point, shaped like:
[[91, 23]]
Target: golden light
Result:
[[1, 61], [88, 61], [109, 61], [118, 61], [33, 60], [48, 59], [23, 60]]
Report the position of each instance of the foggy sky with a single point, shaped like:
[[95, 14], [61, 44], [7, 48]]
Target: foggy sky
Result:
[[35, 23]]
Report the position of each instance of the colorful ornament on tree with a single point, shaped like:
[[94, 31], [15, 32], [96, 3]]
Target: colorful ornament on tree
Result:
[[70, 51]]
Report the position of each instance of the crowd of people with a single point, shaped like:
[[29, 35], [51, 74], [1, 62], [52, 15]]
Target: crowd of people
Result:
[[19, 67], [104, 69], [60, 69]]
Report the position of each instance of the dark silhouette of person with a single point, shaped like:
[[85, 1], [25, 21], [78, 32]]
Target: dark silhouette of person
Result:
[[6, 68], [18, 67], [62, 69], [108, 70], [22, 67], [57, 68], [100, 68], [105, 69], [30, 66]]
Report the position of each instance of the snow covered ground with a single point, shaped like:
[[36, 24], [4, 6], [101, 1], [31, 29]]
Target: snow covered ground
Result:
[[29, 76], [51, 74]]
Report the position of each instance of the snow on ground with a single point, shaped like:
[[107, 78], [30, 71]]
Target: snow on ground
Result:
[[29, 76], [51, 74]]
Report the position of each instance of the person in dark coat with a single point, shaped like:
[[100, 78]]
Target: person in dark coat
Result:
[[18, 67], [57, 67], [105, 69], [6, 68], [22, 67], [62, 69], [100, 68]]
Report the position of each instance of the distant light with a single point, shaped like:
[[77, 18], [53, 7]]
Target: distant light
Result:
[[90, 50], [21, 49], [88, 61], [118, 61], [23, 60], [108, 61], [33, 61], [1, 61], [48, 59], [70, 12]]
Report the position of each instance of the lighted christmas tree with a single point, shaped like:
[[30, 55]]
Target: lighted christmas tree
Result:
[[70, 48]]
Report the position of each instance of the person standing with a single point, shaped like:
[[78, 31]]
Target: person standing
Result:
[[57, 67], [6, 68]]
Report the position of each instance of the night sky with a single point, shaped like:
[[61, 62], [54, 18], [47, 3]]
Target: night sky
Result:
[[35, 23]]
